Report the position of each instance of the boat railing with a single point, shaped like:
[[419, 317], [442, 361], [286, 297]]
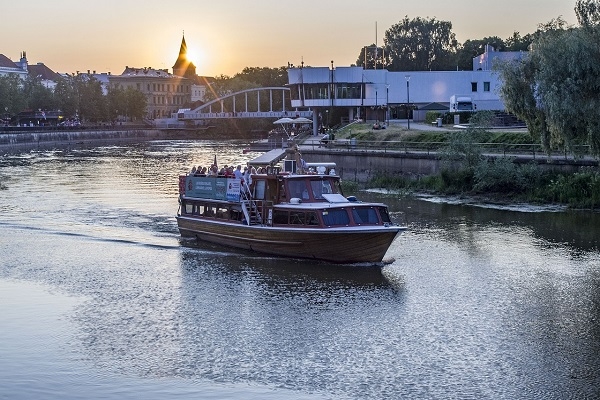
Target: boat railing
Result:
[[250, 208]]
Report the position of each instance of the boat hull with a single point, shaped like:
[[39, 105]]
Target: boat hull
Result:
[[337, 245]]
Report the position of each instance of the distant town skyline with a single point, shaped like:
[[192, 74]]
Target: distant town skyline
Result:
[[69, 36]]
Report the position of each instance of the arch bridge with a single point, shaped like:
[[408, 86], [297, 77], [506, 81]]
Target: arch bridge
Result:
[[246, 104]]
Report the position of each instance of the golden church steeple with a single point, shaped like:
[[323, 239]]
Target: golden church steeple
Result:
[[183, 66]]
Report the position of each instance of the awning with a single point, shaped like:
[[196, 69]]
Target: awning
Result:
[[302, 120], [284, 120], [269, 158]]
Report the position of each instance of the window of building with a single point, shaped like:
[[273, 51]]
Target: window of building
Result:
[[473, 86], [486, 86]]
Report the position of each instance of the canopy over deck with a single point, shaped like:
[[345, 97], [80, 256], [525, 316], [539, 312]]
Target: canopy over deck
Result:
[[269, 158]]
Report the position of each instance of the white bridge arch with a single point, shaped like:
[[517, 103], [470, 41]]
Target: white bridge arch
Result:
[[229, 106]]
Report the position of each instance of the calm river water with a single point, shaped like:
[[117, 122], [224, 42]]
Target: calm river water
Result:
[[100, 298]]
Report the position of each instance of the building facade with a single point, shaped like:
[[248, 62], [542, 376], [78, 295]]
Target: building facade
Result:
[[165, 93], [379, 94]]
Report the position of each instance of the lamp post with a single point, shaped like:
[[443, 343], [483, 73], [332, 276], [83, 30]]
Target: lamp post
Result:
[[408, 100], [387, 104]]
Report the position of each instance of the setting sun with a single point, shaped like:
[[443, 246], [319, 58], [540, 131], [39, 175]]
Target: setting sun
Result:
[[195, 56]]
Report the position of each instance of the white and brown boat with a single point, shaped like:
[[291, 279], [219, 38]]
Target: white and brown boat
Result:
[[293, 213]]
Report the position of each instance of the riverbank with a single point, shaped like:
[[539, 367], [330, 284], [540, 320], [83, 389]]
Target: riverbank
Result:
[[88, 137]]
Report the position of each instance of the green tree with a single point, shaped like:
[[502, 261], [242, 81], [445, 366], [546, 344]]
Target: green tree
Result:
[[518, 43], [65, 95], [38, 96], [264, 76], [128, 102], [92, 103], [554, 90], [12, 97], [136, 103], [588, 12], [372, 57], [518, 92], [420, 45], [472, 48]]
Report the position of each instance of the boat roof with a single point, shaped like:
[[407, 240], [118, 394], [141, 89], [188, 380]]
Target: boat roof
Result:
[[269, 158]]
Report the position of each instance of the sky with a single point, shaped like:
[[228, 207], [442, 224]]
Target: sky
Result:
[[225, 36]]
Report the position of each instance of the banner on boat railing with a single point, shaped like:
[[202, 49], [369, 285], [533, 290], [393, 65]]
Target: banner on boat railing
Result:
[[233, 189], [213, 188]]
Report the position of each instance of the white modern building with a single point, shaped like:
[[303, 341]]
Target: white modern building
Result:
[[380, 94]]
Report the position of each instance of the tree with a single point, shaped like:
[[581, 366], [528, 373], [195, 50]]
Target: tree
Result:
[[472, 48], [38, 96], [371, 57], [555, 89], [136, 103], [129, 102], [518, 43], [92, 104], [588, 12], [12, 97], [520, 98], [264, 76], [65, 95], [420, 45]]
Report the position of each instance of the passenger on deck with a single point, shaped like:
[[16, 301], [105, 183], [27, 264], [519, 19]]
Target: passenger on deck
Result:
[[238, 173]]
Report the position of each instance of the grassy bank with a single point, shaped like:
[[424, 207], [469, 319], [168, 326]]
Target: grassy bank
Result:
[[466, 172]]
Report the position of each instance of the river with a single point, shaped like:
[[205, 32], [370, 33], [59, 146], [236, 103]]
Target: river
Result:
[[100, 297]]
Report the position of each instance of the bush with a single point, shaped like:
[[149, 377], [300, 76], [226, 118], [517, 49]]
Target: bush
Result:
[[432, 116], [499, 175], [580, 189], [457, 181]]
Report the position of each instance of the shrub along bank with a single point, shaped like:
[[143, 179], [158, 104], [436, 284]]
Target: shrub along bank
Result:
[[466, 172]]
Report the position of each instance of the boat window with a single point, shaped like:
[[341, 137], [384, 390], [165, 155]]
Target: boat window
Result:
[[280, 217], [298, 189], [312, 219], [319, 187], [259, 189], [189, 208], [383, 213], [297, 218], [336, 217], [365, 216]]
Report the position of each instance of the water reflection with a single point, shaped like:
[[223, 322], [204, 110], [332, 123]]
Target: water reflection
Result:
[[479, 303]]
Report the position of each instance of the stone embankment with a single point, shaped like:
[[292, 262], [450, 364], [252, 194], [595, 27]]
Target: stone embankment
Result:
[[86, 137]]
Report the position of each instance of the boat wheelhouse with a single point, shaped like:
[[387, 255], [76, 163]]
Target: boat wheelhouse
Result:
[[292, 212]]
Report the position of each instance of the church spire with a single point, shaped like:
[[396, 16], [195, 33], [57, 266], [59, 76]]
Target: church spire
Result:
[[183, 48], [183, 66]]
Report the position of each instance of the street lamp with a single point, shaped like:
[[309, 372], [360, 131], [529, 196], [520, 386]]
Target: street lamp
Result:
[[387, 104], [408, 100]]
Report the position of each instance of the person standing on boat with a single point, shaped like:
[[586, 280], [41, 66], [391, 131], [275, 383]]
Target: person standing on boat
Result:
[[238, 173]]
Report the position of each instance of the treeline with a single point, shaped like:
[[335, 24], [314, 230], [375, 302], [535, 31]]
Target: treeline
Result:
[[77, 96], [422, 44]]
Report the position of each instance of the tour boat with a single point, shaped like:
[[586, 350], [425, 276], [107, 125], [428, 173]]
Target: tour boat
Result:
[[297, 211]]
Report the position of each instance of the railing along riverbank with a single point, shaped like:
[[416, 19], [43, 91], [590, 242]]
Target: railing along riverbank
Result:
[[532, 150]]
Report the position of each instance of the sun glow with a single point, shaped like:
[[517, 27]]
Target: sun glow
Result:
[[195, 56]]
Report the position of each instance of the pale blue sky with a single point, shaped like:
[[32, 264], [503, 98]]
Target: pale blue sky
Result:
[[225, 36]]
